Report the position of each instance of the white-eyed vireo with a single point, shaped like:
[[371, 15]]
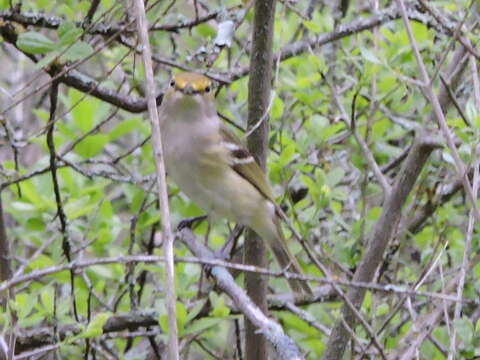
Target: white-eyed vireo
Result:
[[210, 165]]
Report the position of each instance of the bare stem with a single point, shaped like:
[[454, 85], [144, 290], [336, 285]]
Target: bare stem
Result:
[[161, 183]]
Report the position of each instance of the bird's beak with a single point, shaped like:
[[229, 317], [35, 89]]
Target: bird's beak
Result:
[[188, 90]]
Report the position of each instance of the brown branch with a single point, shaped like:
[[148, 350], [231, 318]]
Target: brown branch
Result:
[[259, 94], [382, 233], [91, 11], [84, 83], [8, 345], [5, 254], [283, 345], [53, 22], [56, 189], [30, 339]]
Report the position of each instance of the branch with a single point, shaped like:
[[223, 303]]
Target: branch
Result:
[[439, 115], [5, 254], [383, 232], [259, 96], [466, 258], [30, 339], [56, 189], [391, 214], [171, 297], [283, 345], [84, 83], [343, 30], [425, 324], [54, 22]]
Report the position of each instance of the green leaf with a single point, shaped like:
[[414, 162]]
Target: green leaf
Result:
[[106, 210], [331, 130], [47, 299], [287, 155], [84, 110], [68, 33], [92, 145], [94, 328], [219, 307], [382, 309], [41, 114], [125, 127], [195, 310], [205, 30], [42, 261], [370, 56], [277, 108], [22, 305], [30, 193], [77, 207], [35, 43], [292, 321], [163, 322], [202, 324], [420, 32], [335, 176], [46, 60], [465, 329], [35, 224], [181, 317], [77, 51], [313, 26]]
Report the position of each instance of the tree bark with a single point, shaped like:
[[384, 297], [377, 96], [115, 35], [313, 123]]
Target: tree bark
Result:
[[259, 90]]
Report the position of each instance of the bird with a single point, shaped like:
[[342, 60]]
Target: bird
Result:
[[211, 166]]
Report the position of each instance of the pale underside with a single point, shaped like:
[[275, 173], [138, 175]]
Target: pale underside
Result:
[[214, 187]]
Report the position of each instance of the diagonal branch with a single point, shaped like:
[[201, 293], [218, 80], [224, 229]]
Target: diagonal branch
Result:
[[383, 232], [439, 115], [283, 345], [391, 215]]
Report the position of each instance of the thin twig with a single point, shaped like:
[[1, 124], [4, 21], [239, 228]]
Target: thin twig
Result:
[[161, 182], [440, 117], [466, 258], [56, 189]]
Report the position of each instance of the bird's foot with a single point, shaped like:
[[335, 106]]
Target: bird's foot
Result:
[[189, 222]]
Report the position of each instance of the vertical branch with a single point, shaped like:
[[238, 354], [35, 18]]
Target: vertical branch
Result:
[[56, 189], [466, 259], [161, 183], [259, 89], [5, 263], [7, 349]]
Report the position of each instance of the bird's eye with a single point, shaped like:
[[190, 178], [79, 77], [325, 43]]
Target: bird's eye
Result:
[[208, 89], [172, 83]]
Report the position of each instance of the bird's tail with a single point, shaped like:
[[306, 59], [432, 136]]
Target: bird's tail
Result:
[[288, 262]]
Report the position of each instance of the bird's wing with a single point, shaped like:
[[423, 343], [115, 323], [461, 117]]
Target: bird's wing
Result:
[[244, 163]]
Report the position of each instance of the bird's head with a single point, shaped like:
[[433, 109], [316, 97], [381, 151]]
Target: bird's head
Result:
[[190, 83], [190, 92]]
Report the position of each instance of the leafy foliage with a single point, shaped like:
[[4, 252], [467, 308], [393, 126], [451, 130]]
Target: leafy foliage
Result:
[[321, 175]]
